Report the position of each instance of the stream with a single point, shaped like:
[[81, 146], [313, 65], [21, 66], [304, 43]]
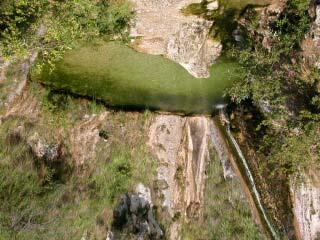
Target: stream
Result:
[[248, 174]]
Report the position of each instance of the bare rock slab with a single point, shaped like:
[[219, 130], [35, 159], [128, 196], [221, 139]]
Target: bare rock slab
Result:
[[306, 203]]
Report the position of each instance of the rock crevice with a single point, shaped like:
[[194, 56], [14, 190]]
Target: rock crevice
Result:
[[181, 145]]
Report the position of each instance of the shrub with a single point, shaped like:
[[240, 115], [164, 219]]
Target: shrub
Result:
[[53, 27], [274, 78]]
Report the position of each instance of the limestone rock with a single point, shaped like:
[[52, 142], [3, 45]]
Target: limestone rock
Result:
[[223, 152], [84, 138], [144, 193], [181, 145], [311, 45], [194, 156], [213, 6], [42, 150], [193, 49], [165, 137], [160, 28], [306, 203], [110, 236], [13, 86], [22, 77]]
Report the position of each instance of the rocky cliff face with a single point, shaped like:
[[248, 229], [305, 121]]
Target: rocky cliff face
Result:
[[306, 202], [160, 28], [311, 44], [12, 86], [305, 191], [183, 146]]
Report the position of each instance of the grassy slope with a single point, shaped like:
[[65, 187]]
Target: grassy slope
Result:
[[36, 205], [79, 202]]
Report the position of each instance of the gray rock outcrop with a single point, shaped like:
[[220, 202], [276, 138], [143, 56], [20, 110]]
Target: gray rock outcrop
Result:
[[191, 47], [214, 5], [84, 138], [134, 214], [182, 146], [14, 86]]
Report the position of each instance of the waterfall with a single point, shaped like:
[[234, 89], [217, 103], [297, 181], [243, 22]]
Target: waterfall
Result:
[[248, 172]]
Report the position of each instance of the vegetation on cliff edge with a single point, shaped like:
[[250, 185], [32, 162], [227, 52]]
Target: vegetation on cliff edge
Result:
[[51, 26], [276, 83], [60, 199]]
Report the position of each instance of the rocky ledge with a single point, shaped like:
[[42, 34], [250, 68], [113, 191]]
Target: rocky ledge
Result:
[[160, 28]]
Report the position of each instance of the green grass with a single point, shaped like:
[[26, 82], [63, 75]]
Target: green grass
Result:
[[123, 77], [36, 206]]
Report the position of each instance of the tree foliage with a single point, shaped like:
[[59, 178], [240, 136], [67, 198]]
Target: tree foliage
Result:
[[274, 82], [53, 26], [270, 70]]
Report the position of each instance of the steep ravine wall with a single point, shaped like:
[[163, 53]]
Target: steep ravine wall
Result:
[[181, 143], [305, 188], [182, 147], [13, 84]]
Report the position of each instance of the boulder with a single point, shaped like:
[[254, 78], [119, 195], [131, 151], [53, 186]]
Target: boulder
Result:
[[42, 150], [213, 6], [134, 214], [110, 236], [192, 48]]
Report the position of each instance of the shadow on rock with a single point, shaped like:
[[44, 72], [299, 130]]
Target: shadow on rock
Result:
[[134, 215]]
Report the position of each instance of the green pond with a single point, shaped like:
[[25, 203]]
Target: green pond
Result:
[[122, 77]]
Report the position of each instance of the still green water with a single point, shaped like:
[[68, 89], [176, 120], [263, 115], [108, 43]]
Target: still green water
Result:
[[122, 77]]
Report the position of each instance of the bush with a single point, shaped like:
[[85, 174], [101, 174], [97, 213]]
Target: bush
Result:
[[55, 26], [297, 153], [274, 82]]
